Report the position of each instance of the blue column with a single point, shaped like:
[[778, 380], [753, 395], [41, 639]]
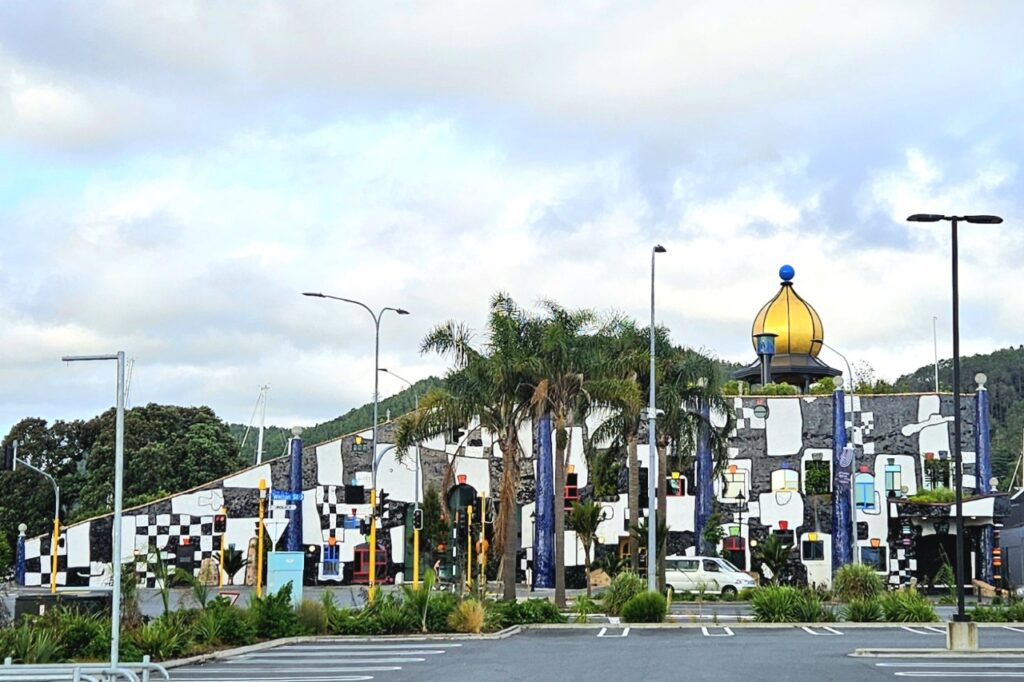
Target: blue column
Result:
[[983, 474], [705, 492], [293, 536], [19, 560], [544, 509], [843, 529]]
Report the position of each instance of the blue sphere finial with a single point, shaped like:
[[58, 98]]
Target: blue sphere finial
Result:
[[786, 272]]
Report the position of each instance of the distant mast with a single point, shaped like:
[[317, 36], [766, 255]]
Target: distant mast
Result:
[[263, 419]]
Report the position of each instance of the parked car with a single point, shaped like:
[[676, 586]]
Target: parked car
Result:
[[713, 575]]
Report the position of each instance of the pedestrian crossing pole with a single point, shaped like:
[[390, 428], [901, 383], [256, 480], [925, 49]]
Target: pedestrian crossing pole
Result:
[[469, 547], [259, 540], [482, 545], [373, 539]]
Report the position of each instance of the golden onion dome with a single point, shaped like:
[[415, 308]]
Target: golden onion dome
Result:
[[790, 317]]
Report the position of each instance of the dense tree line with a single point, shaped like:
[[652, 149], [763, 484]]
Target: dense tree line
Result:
[[167, 449]]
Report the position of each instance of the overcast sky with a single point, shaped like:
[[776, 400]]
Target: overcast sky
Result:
[[174, 174]]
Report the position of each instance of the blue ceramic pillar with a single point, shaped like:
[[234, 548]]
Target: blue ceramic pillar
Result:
[[705, 492], [19, 560], [293, 537], [983, 474], [843, 528], [544, 509]]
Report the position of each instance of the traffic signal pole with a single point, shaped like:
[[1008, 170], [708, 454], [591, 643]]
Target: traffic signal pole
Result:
[[373, 537], [259, 541]]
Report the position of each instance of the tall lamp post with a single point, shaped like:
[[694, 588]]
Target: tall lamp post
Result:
[[417, 516], [115, 606], [957, 457], [652, 463], [55, 540], [373, 457], [849, 372]]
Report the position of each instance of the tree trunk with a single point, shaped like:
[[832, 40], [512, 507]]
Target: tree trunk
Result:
[[510, 548], [662, 507], [560, 439], [634, 502], [586, 557]]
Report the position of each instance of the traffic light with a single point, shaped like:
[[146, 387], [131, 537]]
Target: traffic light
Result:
[[8, 464], [220, 523], [417, 519], [364, 527]]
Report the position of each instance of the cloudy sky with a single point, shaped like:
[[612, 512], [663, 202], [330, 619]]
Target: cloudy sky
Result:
[[174, 174]]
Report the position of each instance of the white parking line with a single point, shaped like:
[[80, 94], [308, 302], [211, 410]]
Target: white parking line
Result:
[[727, 632], [290, 678], [239, 669], [949, 665], [625, 633], [829, 632], [924, 630], [332, 646], [975, 674], [1012, 629], [268, 655]]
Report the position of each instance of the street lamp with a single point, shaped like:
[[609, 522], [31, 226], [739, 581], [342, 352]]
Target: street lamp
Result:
[[740, 500], [652, 464], [957, 457], [115, 606], [373, 458], [849, 372], [416, 494], [55, 540]]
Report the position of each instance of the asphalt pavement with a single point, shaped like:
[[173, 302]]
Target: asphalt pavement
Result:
[[722, 654]]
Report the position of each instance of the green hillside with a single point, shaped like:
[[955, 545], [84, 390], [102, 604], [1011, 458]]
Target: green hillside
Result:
[[275, 438], [1005, 371]]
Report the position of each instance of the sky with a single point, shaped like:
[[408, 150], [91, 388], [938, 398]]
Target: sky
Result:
[[173, 175]]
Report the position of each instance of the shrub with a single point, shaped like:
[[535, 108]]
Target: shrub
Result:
[[439, 608], [468, 617], [161, 638], [940, 495], [856, 581], [352, 622], [81, 636], [808, 608], [28, 644], [390, 616], [1015, 611], [624, 587], [537, 611], [907, 606], [583, 607], [864, 611], [273, 616], [416, 599], [234, 626], [311, 617], [646, 607], [775, 604], [988, 614], [746, 594]]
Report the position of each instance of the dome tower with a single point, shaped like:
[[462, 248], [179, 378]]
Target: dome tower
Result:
[[798, 334]]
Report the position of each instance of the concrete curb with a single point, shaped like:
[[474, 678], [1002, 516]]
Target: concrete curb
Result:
[[307, 639], [937, 653], [737, 625]]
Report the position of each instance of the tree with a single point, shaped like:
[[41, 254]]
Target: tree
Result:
[[569, 384], [585, 518], [435, 529], [490, 385], [689, 381]]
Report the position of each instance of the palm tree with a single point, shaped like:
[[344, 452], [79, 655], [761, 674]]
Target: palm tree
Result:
[[569, 385], [491, 385], [688, 379], [584, 518]]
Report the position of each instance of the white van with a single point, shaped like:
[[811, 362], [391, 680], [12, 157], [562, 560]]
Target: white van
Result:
[[714, 575]]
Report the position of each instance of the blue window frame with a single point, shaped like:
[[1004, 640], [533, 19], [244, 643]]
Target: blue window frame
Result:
[[865, 491], [332, 560]]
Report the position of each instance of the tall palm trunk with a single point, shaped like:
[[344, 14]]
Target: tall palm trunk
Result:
[[634, 502], [586, 558], [662, 506], [508, 514], [560, 442]]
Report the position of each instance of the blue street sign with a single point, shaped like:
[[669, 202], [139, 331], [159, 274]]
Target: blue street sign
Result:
[[285, 496]]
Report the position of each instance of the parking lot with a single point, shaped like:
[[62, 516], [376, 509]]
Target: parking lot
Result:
[[610, 652]]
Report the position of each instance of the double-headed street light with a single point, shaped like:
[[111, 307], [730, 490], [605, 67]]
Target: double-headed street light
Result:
[[957, 457], [652, 464], [115, 606], [373, 458]]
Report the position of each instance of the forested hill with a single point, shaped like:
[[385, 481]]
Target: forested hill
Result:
[[1005, 371], [275, 438]]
